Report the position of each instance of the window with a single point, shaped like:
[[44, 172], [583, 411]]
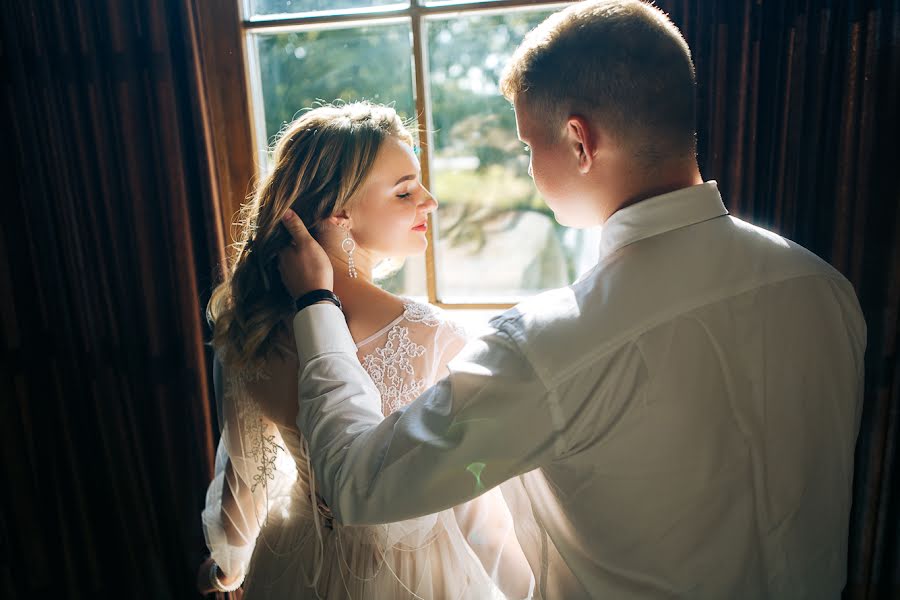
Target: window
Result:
[[493, 240]]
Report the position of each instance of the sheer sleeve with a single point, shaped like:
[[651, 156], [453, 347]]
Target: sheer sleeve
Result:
[[487, 525], [411, 355], [485, 522], [248, 475]]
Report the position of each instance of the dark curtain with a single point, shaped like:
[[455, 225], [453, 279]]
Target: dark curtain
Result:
[[109, 241], [107, 245]]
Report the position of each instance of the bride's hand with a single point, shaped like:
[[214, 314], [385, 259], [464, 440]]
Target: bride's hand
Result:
[[203, 585], [304, 266]]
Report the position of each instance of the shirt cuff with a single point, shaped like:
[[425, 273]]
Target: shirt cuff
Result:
[[321, 329]]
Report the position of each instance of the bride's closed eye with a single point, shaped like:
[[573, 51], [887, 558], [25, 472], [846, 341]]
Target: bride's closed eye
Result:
[[410, 189]]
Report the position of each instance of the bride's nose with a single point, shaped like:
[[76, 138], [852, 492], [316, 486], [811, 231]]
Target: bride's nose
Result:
[[429, 203]]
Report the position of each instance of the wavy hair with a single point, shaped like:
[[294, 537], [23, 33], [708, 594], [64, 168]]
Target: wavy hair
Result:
[[320, 160]]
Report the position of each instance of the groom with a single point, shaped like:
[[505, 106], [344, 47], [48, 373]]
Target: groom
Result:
[[679, 422]]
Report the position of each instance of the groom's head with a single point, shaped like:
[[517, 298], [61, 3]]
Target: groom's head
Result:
[[601, 88]]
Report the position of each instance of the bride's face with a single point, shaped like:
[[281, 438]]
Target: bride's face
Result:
[[389, 218]]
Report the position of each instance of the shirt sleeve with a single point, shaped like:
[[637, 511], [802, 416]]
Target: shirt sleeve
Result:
[[489, 420]]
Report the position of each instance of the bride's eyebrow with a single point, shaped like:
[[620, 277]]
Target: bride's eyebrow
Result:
[[406, 178]]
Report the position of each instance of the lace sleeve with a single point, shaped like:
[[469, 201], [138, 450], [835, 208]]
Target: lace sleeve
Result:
[[247, 477], [442, 338]]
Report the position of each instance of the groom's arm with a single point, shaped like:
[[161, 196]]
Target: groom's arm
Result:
[[490, 420]]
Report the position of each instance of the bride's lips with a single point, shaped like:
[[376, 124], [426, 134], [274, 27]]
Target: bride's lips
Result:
[[423, 226]]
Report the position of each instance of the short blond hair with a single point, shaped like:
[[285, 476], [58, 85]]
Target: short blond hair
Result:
[[621, 63]]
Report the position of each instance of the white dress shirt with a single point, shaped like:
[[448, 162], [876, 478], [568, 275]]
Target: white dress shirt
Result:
[[679, 422]]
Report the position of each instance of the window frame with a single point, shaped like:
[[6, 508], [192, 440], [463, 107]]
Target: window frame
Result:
[[227, 33]]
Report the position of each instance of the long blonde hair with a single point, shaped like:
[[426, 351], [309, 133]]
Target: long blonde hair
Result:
[[320, 163]]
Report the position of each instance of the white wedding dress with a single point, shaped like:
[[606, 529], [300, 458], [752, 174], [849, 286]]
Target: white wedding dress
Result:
[[263, 516]]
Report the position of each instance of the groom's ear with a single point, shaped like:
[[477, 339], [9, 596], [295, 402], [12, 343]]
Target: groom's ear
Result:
[[582, 139]]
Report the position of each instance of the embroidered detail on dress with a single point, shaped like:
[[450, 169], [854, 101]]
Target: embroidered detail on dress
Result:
[[390, 366], [428, 315], [262, 446], [421, 313], [456, 328], [387, 365], [252, 375]]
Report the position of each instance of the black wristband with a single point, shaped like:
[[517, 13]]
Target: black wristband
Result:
[[314, 296]]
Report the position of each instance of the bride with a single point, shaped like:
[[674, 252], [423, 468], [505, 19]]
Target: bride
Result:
[[351, 174]]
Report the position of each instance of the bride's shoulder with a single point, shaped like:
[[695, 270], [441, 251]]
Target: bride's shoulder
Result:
[[375, 316], [422, 312], [369, 315], [430, 316]]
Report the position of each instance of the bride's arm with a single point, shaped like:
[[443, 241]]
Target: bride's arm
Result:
[[488, 528], [485, 522], [237, 498], [230, 534]]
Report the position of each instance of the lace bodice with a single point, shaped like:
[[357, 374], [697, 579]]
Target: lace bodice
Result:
[[409, 354]]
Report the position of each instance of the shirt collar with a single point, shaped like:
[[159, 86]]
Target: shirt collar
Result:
[[661, 214]]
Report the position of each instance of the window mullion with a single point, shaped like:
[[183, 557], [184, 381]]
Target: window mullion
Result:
[[423, 113]]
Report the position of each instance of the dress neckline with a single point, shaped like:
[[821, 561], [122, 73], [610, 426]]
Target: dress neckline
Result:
[[386, 328]]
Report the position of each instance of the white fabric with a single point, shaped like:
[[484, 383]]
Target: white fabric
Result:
[[260, 517], [679, 422]]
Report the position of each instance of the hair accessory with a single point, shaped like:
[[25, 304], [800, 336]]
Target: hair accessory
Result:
[[348, 246]]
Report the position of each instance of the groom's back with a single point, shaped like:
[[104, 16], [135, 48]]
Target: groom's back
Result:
[[709, 382]]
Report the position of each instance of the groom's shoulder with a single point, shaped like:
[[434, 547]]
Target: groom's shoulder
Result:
[[565, 330], [548, 329], [536, 314]]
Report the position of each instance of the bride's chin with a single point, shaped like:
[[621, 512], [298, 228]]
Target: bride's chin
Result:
[[411, 251], [419, 246]]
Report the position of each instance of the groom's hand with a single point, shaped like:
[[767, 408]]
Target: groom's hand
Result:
[[304, 266]]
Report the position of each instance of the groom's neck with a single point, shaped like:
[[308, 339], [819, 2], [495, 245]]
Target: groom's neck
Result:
[[634, 184]]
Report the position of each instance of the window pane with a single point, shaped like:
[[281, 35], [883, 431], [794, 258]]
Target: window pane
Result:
[[298, 68], [496, 239], [277, 7]]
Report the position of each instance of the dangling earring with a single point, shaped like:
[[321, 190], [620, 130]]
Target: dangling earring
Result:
[[348, 246]]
